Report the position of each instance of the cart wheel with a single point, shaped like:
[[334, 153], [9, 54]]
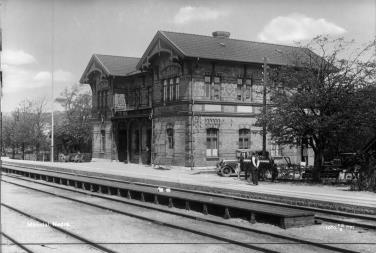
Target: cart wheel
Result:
[[226, 171]]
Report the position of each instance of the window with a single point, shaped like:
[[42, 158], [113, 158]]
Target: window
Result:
[[177, 83], [212, 142], [217, 88], [137, 98], [248, 89], [143, 81], [276, 149], [164, 90], [171, 88], [217, 79], [170, 137], [103, 141], [244, 138], [239, 92], [240, 81], [105, 98], [149, 96], [207, 86]]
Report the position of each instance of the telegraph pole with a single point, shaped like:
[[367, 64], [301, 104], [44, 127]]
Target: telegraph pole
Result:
[[264, 108], [52, 78]]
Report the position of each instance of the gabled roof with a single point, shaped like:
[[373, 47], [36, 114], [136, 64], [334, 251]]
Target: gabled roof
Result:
[[113, 65], [117, 65], [227, 49]]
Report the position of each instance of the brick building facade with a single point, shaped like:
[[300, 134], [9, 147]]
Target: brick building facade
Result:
[[189, 100]]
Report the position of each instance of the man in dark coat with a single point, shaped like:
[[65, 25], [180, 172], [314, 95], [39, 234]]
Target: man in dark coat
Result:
[[254, 168], [242, 168]]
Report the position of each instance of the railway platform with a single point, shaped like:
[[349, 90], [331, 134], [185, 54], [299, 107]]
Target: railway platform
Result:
[[337, 198]]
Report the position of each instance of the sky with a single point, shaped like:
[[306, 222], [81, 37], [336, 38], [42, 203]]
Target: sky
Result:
[[45, 36]]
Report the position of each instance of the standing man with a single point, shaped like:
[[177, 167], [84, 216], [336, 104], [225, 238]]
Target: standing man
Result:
[[255, 166]]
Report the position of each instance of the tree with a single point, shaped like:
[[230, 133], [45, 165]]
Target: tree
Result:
[[74, 129], [25, 127], [319, 98]]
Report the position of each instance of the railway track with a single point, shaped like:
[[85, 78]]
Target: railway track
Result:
[[16, 243], [321, 215], [288, 240], [81, 239]]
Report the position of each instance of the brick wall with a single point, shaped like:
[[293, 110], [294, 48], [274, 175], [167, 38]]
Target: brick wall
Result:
[[97, 128], [164, 155]]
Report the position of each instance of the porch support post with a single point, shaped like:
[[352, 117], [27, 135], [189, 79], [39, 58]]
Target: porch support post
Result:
[[140, 142], [128, 142]]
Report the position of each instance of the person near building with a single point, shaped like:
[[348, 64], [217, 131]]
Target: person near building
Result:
[[254, 169], [241, 167], [274, 170]]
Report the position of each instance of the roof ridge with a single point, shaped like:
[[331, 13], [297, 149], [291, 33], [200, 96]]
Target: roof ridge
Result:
[[101, 63], [118, 56], [173, 43], [259, 42]]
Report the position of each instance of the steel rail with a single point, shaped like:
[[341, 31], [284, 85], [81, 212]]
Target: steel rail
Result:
[[64, 231], [15, 242], [295, 240]]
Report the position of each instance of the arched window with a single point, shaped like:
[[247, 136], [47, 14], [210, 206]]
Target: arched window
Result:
[[244, 138], [164, 90], [170, 138], [212, 142], [177, 81]]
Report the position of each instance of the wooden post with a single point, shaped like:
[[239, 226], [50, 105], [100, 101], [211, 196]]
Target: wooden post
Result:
[[170, 203], [227, 213], [253, 219], [129, 196], [187, 207], [156, 200], [139, 142], [142, 197], [204, 209], [128, 142]]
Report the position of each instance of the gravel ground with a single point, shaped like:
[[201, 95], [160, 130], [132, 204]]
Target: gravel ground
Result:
[[100, 226], [133, 231]]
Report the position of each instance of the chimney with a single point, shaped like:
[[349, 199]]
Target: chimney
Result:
[[221, 34]]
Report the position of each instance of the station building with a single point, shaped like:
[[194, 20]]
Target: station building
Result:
[[190, 100]]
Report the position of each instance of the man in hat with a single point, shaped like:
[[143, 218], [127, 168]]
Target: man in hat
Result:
[[254, 169]]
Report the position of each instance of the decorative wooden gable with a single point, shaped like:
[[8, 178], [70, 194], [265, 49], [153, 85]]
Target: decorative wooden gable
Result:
[[93, 72], [159, 45]]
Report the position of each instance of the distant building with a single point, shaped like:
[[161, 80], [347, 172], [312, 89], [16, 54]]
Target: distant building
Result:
[[189, 100]]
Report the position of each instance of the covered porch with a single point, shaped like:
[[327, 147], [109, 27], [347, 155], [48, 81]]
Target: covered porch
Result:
[[133, 135]]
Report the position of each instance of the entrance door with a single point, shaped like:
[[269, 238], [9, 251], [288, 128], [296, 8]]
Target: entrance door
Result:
[[148, 144], [122, 145]]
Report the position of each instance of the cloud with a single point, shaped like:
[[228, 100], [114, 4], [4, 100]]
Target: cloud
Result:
[[297, 27], [18, 79], [19, 57], [190, 14], [59, 76]]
